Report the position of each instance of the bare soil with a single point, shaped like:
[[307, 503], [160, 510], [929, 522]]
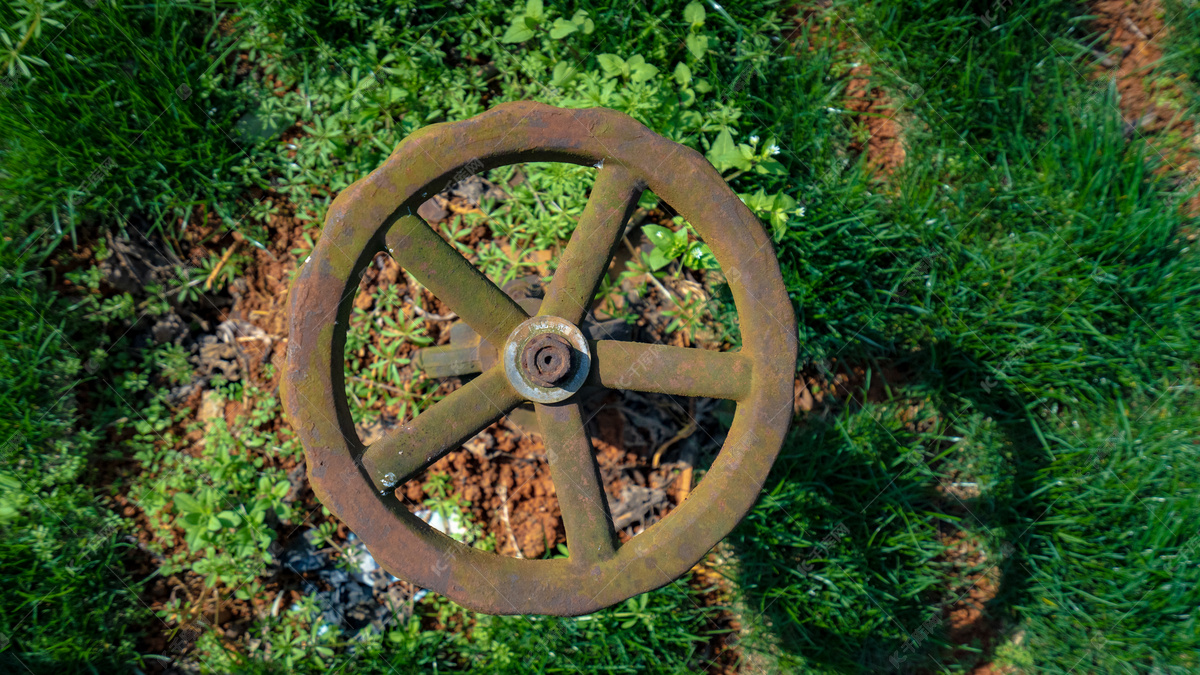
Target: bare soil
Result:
[[876, 117], [1151, 97]]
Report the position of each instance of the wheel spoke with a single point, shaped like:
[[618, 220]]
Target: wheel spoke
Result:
[[444, 426], [577, 481], [671, 370], [453, 279], [614, 197]]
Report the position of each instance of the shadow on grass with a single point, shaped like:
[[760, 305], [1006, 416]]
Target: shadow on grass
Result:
[[864, 553]]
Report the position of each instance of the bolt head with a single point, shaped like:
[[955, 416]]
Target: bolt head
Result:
[[546, 359]]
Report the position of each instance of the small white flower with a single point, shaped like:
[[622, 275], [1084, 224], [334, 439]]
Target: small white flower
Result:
[[753, 140], [774, 149], [800, 212]]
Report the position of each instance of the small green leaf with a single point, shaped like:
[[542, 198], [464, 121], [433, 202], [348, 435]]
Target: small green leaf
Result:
[[229, 518], [680, 241], [656, 259], [700, 257], [533, 8], [639, 70], [561, 29], [724, 154], [583, 22], [683, 74], [758, 201], [185, 503], [611, 64], [658, 235], [697, 45], [778, 224], [771, 167], [694, 14], [563, 73], [517, 32]]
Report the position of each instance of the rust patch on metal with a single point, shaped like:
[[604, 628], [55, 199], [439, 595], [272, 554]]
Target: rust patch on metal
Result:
[[378, 213], [546, 359]]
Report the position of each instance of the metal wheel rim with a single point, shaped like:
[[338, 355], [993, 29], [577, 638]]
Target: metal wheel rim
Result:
[[357, 227]]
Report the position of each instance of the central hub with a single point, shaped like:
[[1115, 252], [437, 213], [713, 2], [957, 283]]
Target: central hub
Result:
[[546, 359]]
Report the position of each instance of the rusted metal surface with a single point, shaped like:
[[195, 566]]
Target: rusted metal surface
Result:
[[590, 535], [377, 213], [410, 448], [614, 197], [456, 282], [671, 370]]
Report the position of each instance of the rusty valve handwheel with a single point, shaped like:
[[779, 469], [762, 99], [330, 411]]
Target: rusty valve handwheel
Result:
[[544, 359]]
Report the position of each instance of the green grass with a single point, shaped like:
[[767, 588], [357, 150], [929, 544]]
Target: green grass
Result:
[[67, 599], [1059, 282], [1183, 40], [129, 115], [843, 551], [1025, 279], [1110, 573]]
